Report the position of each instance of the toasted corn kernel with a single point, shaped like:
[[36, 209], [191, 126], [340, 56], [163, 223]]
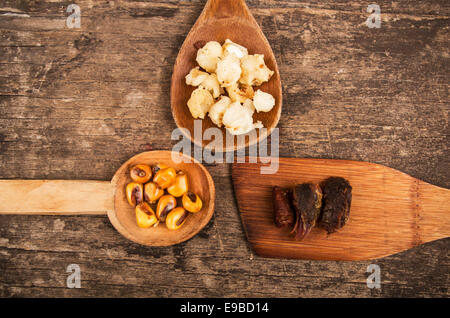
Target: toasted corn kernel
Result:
[[135, 193], [165, 177], [180, 186], [145, 216], [157, 167], [152, 192], [165, 204], [140, 173], [192, 202], [176, 218]]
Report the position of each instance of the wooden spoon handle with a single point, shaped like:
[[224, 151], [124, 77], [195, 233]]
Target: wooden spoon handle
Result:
[[433, 212], [226, 9], [55, 197]]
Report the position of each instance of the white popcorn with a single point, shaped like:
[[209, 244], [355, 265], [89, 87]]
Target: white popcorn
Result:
[[237, 120], [208, 56], [217, 110], [229, 47], [228, 70], [212, 84], [254, 70], [240, 92], [249, 107], [263, 102], [258, 125], [205, 80], [196, 77], [200, 102]]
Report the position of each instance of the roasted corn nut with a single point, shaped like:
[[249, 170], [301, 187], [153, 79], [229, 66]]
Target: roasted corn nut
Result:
[[145, 216], [165, 177], [140, 173], [165, 204], [157, 167], [152, 192], [180, 186], [176, 218], [192, 202], [134, 193]]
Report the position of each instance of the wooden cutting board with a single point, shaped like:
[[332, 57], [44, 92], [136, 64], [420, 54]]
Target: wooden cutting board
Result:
[[390, 211]]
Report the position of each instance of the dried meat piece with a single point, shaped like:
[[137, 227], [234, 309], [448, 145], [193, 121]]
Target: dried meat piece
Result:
[[337, 198], [307, 200], [283, 214]]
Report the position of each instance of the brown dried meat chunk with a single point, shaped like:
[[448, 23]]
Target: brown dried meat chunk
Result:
[[337, 198], [307, 200], [283, 214]]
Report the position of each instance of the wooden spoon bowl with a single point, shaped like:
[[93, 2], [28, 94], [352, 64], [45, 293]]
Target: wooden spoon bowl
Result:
[[83, 197], [123, 216], [221, 20]]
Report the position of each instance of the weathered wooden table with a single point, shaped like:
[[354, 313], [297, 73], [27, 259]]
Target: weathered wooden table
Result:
[[77, 102]]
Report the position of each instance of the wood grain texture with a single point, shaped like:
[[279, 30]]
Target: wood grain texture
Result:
[[77, 103], [55, 197], [390, 211], [221, 20]]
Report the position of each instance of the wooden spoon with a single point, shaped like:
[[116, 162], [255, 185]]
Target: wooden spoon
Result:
[[221, 20], [80, 197], [390, 211]]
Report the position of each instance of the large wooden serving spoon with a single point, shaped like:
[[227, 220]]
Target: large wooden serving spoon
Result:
[[81, 197], [221, 20], [390, 211]]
